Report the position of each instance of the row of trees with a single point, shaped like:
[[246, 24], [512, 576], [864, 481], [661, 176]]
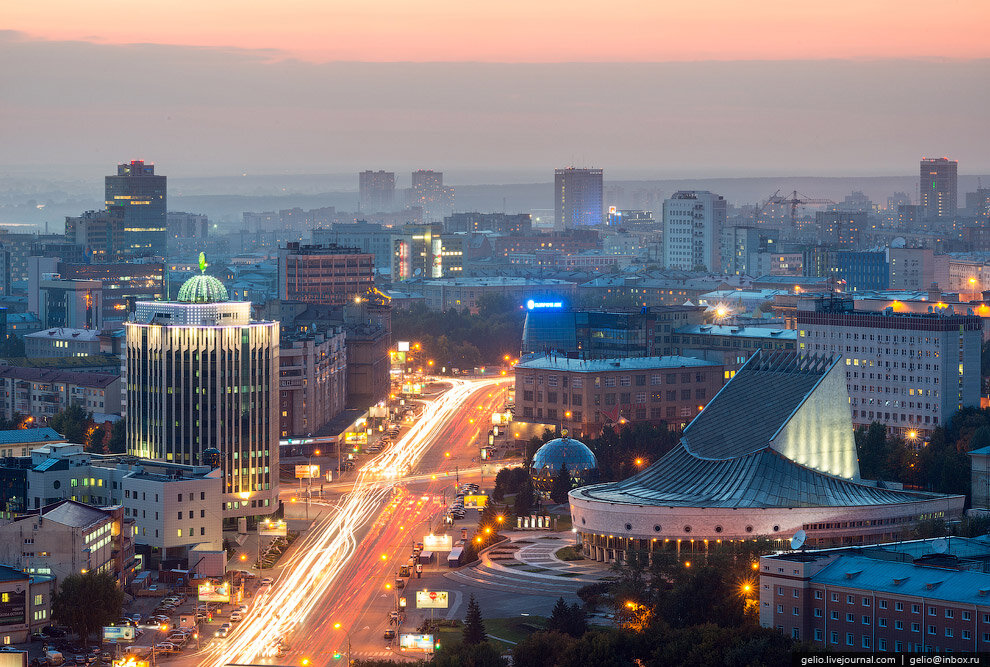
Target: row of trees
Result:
[[468, 339], [78, 426]]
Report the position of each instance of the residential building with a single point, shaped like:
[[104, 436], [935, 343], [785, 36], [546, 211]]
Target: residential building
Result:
[[746, 251], [730, 346], [910, 371], [368, 238], [841, 229], [42, 394], [771, 454], [648, 291], [27, 604], [980, 478], [100, 234], [585, 395], [327, 274], [312, 380], [692, 230], [429, 194], [578, 200], [460, 293], [502, 223], [142, 194], [69, 537], [859, 270], [938, 185], [22, 324], [62, 342], [376, 190], [191, 387], [22, 441], [917, 596], [38, 268], [911, 268]]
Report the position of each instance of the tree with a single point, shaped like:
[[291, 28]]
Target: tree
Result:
[[12, 347], [73, 423], [474, 625], [569, 620], [468, 655], [536, 649], [87, 602], [524, 499], [871, 448], [562, 484], [117, 444]]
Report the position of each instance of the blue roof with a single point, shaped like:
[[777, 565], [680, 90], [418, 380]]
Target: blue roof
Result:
[[26, 435], [983, 451], [601, 365]]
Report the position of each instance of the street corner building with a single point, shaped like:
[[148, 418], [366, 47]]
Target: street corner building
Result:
[[771, 454], [201, 374]]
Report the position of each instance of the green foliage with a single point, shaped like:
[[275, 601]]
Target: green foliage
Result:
[[86, 602], [562, 484], [525, 499], [117, 443], [711, 644], [469, 655], [538, 649], [474, 625], [467, 340], [930, 528], [12, 347], [569, 620], [509, 481], [73, 423], [16, 421], [974, 526], [617, 450]]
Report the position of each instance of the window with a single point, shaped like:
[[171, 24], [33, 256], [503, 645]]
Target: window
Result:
[[849, 599], [949, 613], [916, 627], [818, 595], [835, 597], [850, 618], [931, 629], [867, 620], [882, 644], [180, 497], [948, 632], [818, 612], [866, 602], [966, 635], [882, 603], [931, 611], [849, 639], [833, 637], [795, 592], [916, 609], [818, 634], [834, 615], [898, 606], [795, 611], [898, 625], [967, 616], [780, 609], [882, 622], [180, 516], [866, 641]]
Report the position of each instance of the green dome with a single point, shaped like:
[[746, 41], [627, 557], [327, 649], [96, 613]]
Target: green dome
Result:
[[202, 289]]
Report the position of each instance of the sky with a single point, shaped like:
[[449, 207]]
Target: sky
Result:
[[701, 88]]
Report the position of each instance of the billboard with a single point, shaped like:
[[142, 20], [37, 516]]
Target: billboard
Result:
[[412, 388], [12, 606], [438, 543], [130, 661], [307, 471], [402, 346], [272, 528], [475, 501], [420, 642], [13, 658], [118, 633], [432, 599], [210, 592]]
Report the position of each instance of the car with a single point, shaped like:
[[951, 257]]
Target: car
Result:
[[243, 609], [38, 637], [267, 581], [202, 607], [221, 632], [236, 616], [106, 657], [9, 649], [201, 615], [165, 646], [389, 635]]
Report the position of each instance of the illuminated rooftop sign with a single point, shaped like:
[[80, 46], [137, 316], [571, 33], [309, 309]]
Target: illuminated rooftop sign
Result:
[[533, 305]]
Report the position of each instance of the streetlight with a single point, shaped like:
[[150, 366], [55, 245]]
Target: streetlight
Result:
[[347, 635]]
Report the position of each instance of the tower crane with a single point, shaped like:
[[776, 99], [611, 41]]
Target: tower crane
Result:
[[795, 199]]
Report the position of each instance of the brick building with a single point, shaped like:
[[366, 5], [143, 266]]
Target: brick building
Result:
[[327, 274]]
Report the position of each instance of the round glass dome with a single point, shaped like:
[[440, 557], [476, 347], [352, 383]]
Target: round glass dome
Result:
[[202, 289], [568, 452]]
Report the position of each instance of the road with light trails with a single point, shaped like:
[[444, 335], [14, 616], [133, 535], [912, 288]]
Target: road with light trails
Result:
[[311, 578]]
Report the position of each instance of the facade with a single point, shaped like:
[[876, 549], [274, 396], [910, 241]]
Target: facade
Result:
[[730, 346], [122, 284], [429, 194], [461, 293], [692, 230], [142, 194], [859, 270], [585, 395], [746, 251], [578, 200], [649, 292], [841, 229], [71, 303], [100, 234], [980, 477], [920, 596], [312, 382], [368, 238], [911, 371], [22, 441], [42, 394], [200, 375], [424, 251], [62, 342], [67, 538], [323, 274], [772, 453], [939, 188], [376, 190], [502, 223], [911, 268], [26, 604]]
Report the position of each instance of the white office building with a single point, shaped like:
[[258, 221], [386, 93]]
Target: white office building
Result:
[[692, 230]]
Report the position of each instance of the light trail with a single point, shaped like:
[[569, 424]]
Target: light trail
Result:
[[330, 543]]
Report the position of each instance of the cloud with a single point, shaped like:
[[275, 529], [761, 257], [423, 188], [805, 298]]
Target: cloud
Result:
[[220, 110]]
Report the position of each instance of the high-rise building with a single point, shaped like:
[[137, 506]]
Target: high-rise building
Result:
[[100, 234], [938, 187], [76, 304], [376, 190], [123, 285], [327, 274], [910, 371], [429, 194], [746, 251], [841, 229], [424, 251], [578, 200], [143, 196], [692, 230], [312, 380], [202, 375]]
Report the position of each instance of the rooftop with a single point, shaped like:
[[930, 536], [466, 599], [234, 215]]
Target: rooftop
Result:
[[740, 332], [66, 333], [202, 289], [556, 363], [93, 380], [72, 513], [30, 435], [500, 281]]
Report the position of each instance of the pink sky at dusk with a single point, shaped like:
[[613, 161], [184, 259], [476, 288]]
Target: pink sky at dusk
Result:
[[526, 31]]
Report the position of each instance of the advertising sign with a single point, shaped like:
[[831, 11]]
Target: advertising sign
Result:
[[210, 592], [272, 528], [420, 642], [438, 543], [402, 346], [118, 633], [412, 388], [12, 608], [130, 661], [13, 659], [431, 599], [356, 438], [307, 471], [475, 501]]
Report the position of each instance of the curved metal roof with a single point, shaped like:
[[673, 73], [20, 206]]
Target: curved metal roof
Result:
[[202, 289]]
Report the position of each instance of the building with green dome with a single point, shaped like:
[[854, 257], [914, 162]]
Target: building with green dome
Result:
[[202, 375]]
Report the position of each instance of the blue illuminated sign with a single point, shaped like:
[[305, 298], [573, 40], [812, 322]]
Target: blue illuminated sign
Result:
[[531, 304]]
